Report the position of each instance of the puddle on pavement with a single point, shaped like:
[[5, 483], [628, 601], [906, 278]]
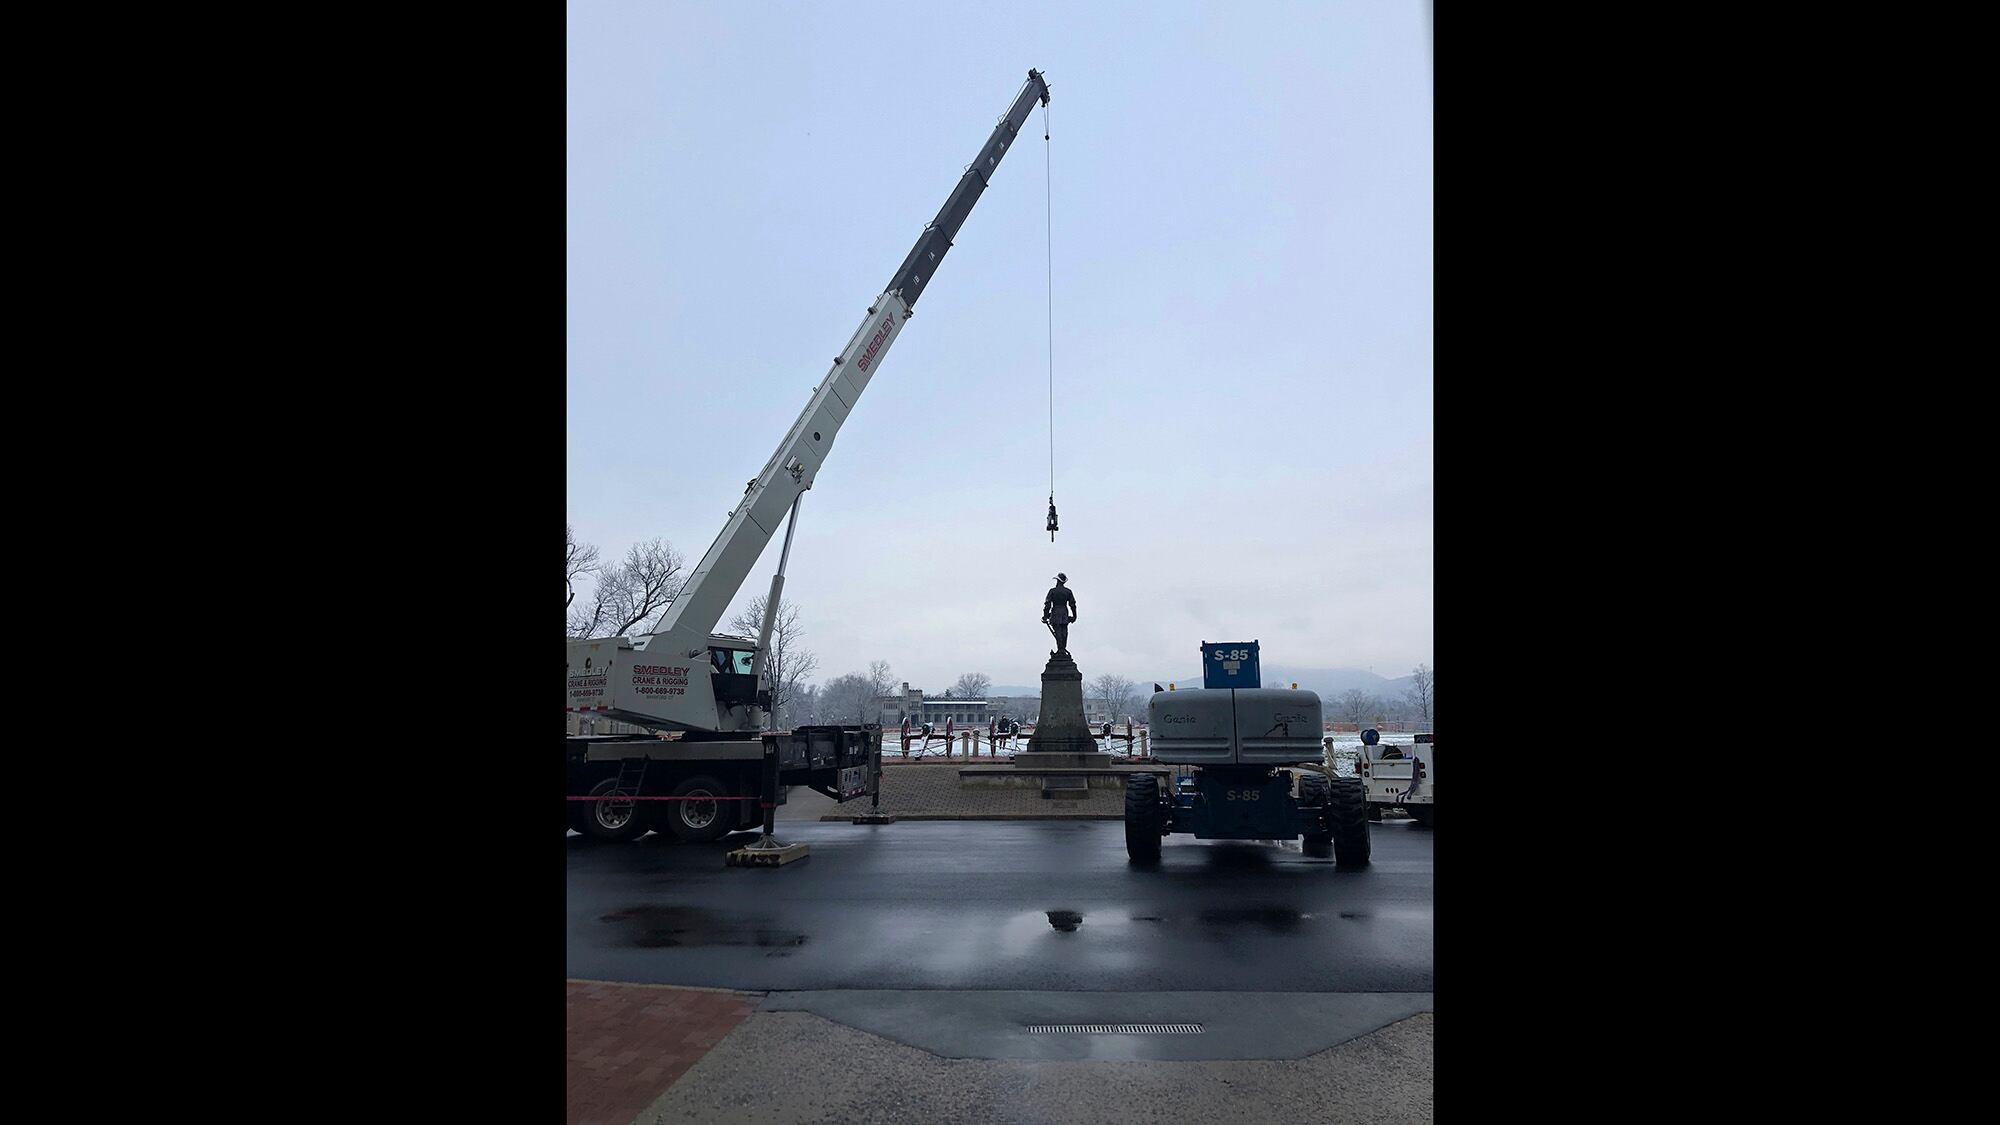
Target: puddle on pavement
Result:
[[1270, 917], [1238, 855], [667, 927], [1277, 919], [1281, 918]]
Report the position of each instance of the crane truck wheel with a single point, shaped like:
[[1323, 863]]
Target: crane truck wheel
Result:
[[1316, 793], [1142, 818], [1347, 822], [700, 821], [616, 821], [1421, 814]]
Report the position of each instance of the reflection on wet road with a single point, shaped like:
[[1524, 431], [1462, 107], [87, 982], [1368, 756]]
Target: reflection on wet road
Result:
[[1003, 905]]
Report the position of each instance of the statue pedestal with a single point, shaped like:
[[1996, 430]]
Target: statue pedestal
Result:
[[1061, 759], [1061, 739]]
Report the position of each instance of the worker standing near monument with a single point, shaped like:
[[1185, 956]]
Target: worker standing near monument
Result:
[[1058, 610]]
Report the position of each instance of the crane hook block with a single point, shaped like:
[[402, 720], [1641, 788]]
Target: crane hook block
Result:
[[1052, 519]]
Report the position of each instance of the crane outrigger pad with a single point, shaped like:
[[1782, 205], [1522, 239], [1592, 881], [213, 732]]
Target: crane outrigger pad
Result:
[[766, 853]]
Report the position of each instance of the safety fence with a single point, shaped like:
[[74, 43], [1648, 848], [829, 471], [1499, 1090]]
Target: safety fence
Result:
[[966, 744]]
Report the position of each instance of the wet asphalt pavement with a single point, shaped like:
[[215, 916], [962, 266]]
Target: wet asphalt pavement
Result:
[[1019, 905]]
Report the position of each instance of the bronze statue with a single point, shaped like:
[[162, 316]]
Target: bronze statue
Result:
[[1058, 610]]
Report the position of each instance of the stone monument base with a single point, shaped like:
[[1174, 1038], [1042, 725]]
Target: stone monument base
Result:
[[1007, 777], [1061, 759], [1084, 760], [1060, 733]]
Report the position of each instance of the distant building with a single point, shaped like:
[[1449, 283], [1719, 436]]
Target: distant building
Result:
[[909, 705], [1024, 708], [960, 712], [893, 710], [1097, 713]]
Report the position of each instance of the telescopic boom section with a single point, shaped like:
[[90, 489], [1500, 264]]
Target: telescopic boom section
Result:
[[917, 269], [792, 468]]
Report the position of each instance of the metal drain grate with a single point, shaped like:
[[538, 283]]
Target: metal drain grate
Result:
[[1114, 1029]]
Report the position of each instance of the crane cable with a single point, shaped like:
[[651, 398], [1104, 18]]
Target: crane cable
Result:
[[1048, 206]]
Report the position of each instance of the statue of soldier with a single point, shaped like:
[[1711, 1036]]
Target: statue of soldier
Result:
[[1058, 610]]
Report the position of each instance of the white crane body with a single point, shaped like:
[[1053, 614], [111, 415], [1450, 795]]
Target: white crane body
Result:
[[714, 689]]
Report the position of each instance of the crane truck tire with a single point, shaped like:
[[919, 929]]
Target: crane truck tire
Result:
[[697, 822], [1421, 814], [1142, 818], [1316, 793], [1347, 822], [615, 821]]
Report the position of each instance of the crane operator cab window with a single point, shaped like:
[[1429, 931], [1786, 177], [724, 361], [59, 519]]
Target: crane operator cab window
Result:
[[734, 680]]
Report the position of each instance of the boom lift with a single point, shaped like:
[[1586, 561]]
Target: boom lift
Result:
[[715, 689], [1243, 742]]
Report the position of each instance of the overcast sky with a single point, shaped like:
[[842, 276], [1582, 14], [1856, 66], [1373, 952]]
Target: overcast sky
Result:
[[1242, 327]]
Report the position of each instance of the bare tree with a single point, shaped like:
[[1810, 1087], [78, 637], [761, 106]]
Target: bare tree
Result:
[[789, 663], [631, 595], [848, 699], [804, 705], [972, 685], [586, 619], [1357, 706], [1419, 695], [649, 582], [1119, 694], [881, 678], [579, 559]]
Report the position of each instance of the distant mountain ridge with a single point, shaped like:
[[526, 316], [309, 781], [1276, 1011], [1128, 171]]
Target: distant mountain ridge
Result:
[[1330, 683]]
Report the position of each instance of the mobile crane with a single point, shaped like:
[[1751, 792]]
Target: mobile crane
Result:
[[714, 689]]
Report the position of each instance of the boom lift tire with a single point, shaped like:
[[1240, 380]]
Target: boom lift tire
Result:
[[698, 822], [1142, 818], [1347, 821], [614, 821], [1316, 793]]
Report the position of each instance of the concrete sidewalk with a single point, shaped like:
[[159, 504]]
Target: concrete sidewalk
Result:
[[660, 1054], [795, 1067]]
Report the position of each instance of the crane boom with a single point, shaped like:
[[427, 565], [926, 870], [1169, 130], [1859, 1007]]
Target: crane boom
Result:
[[682, 695], [922, 262], [791, 469]]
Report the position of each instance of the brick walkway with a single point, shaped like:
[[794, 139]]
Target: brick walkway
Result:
[[629, 1042]]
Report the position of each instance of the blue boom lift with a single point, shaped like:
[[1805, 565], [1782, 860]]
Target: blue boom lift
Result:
[[1245, 741]]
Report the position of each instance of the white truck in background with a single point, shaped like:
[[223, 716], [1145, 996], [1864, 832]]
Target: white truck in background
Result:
[[1398, 775]]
